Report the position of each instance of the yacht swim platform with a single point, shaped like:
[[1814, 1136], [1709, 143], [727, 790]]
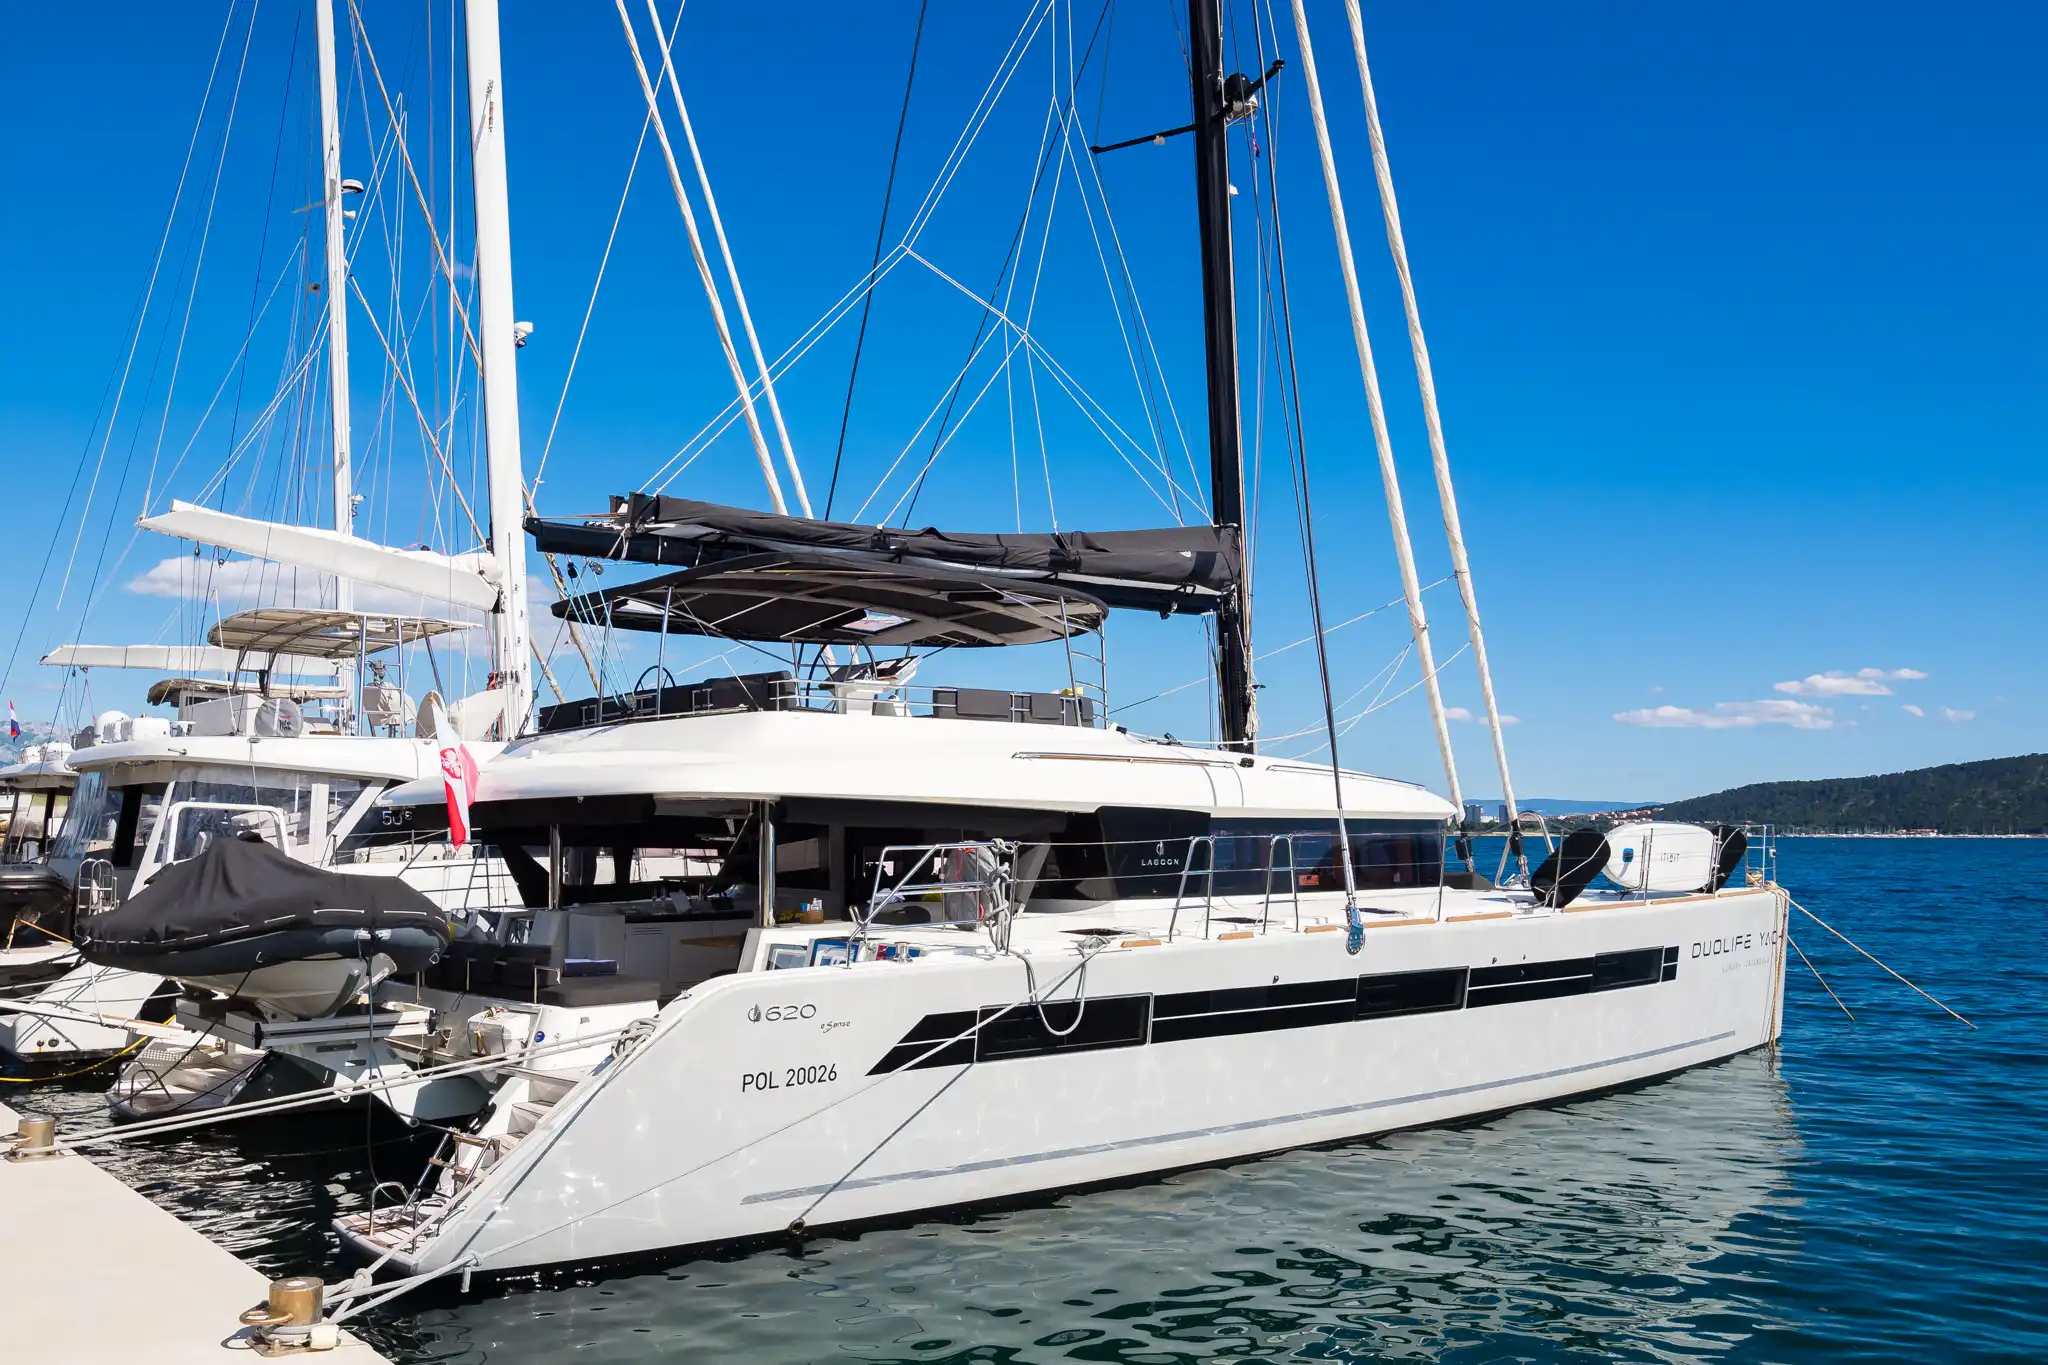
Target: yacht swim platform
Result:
[[119, 1279]]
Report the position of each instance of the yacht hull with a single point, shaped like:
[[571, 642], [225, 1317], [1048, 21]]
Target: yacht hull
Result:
[[822, 1097], [109, 994]]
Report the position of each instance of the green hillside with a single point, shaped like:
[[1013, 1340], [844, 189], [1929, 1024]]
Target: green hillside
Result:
[[1996, 796]]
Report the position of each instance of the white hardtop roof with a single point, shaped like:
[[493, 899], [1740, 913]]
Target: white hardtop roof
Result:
[[314, 634], [48, 774], [362, 756], [773, 754]]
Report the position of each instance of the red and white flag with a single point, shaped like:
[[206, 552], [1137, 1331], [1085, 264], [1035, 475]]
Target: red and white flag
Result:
[[458, 773]]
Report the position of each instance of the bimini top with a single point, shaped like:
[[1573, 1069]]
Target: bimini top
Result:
[[1176, 569], [323, 634], [844, 599]]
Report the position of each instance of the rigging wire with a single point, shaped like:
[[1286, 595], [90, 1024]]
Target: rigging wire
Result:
[[1375, 407], [263, 239], [202, 235], [1010, 257], [142, 312], [1432, 419], [711, 292], [732, 273], [881, 234], [1305, 515]]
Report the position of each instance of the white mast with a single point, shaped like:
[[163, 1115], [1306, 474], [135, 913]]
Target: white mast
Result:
[[499, 367], [337, 299], [1461, 566]]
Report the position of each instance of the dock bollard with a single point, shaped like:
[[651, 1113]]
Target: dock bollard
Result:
[[289, 1321], [35, 1138]]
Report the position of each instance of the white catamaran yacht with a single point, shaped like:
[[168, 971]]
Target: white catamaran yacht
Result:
[[834, 943], [967, 944]]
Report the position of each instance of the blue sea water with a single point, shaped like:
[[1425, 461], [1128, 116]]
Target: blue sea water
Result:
[[1874, 1191]]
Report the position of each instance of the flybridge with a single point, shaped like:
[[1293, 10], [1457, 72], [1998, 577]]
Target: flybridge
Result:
[[1182, 569]]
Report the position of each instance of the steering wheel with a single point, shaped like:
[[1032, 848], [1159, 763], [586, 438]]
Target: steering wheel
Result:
[[668, 677]]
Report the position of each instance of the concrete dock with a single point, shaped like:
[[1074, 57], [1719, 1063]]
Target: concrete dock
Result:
[[103, 1276]]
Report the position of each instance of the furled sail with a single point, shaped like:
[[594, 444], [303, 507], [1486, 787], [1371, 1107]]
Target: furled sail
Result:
[[467, 580], [182, 659], [1169, 570]]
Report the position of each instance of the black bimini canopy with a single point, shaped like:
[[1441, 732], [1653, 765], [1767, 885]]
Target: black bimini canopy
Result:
[[847, 599], [1175, 569]]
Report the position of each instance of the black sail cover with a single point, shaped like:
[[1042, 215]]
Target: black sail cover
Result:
[[1172, 569], [239, 888]]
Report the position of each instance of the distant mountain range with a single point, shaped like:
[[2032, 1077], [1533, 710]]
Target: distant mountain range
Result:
[[32, 732], [1558, 805], [1994, 796]]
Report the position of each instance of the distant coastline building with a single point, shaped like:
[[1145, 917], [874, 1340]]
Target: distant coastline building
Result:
[[1475, 812]]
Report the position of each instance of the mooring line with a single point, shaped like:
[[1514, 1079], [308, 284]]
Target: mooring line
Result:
[[1818, 977], [1872, 956]]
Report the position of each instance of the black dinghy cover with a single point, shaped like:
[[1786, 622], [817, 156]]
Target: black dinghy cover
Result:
[[243, 903]]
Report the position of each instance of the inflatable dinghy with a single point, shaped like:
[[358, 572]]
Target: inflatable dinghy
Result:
[[249, 921]]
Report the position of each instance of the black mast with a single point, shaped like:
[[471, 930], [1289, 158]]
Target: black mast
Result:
[[1213, 98]]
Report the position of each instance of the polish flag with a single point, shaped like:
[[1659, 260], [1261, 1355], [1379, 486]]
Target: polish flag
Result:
[[458, 772]]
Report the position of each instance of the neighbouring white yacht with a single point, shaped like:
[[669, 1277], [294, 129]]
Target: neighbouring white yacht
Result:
[[35, 901], [290, 722], [250, 759]]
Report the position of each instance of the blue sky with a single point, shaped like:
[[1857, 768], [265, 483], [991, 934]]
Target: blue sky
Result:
[[1734, 309]]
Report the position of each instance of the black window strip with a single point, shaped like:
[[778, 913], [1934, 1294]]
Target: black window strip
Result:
[[1397, 993], [921, 1056], [935, 1028], [1615, 971], [1513, 972], [1063, 1026], [1253, 998], [1187, 1026], [1519, 991], [1133, 1020]]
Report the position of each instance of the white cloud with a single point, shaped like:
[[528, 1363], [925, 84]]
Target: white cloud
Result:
[[1955, 717], [1864, 682], [1911, 709], [1462, 713], [1732, 715]]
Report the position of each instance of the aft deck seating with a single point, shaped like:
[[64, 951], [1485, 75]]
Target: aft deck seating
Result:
[[779, 691], [771, 691], [1032, 708]]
